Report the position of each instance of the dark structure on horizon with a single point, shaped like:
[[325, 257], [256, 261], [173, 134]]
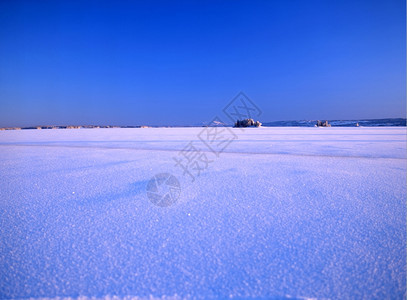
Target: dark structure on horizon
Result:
[[247, 123], [322, 124]]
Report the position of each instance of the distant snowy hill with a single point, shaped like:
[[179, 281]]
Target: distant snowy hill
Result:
[[340, 123]]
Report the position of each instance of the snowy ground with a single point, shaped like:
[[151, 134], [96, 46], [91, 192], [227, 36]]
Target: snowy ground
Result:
[[280, 213]]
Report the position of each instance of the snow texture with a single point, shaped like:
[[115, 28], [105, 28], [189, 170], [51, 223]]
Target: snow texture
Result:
[[280, 213]]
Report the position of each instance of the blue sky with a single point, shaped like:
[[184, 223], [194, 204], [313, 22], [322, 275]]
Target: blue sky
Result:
[[181, 62]]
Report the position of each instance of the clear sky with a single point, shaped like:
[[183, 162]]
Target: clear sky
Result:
[[181, 62]]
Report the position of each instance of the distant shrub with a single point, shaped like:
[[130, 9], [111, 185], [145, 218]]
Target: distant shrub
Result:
[[247, 123], [322, 124]]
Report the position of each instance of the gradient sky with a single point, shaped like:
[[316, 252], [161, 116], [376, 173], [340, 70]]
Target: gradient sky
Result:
[[181, 62]]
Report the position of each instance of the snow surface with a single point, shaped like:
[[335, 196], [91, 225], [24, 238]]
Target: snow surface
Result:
[[281, 213]]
